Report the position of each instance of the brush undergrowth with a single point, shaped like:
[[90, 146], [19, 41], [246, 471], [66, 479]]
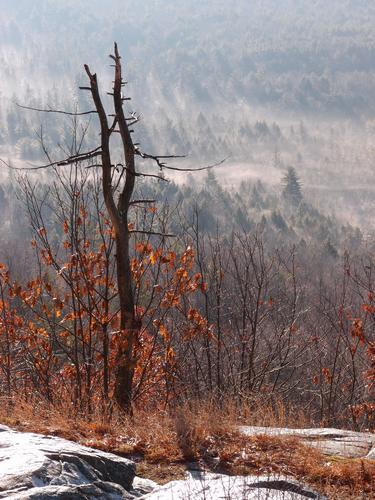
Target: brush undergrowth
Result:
[[163, 443]]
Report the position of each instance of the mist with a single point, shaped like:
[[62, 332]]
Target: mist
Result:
[[264, 85]]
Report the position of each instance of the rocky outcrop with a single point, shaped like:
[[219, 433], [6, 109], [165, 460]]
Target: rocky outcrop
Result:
[[337, 442], [42, 467], [206, 486]]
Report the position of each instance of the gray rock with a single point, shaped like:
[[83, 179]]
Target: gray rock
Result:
[[338, 442], [142, 486], [35, 467], [206, 486], [43, 467], [102, 491]]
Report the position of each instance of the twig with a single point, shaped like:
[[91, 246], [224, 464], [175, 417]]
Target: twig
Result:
[[153, 233], [207, 167], [141, 174], [157, 158], [59, 163], [136, 202], [50, 110]]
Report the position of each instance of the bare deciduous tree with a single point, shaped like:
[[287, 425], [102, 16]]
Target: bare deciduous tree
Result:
[[118, 213]]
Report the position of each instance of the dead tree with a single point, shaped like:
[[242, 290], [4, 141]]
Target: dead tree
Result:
[[118, 213], [118, 183]]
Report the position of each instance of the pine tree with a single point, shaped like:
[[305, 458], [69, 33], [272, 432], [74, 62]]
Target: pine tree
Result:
[[292, 190]]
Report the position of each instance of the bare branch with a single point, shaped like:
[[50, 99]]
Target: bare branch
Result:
[[207, 167], [68, 161], [8, 165], [79, 157], [142, 174], [157, 159], [153, 233], [138, 202], [51, 110], [128, 147], [105, 151], [43, 144]]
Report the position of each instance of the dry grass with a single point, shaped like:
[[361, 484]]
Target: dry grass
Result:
[[164, 443]]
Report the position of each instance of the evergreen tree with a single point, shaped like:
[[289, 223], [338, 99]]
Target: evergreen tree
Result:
[[292, 190], [279, 221], [330, 250]]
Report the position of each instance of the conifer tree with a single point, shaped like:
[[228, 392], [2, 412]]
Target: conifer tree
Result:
[[292, 190]]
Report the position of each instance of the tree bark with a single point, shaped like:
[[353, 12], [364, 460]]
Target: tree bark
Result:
[[118, 213]]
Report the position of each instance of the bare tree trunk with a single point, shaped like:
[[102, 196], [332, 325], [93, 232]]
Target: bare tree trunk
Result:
[[125, 358], [118, 213]]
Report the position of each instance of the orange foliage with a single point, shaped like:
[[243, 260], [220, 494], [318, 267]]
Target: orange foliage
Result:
[[69, 343]]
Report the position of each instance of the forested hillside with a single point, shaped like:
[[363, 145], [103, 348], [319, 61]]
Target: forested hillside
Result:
[[264, 84], [192, 230]]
